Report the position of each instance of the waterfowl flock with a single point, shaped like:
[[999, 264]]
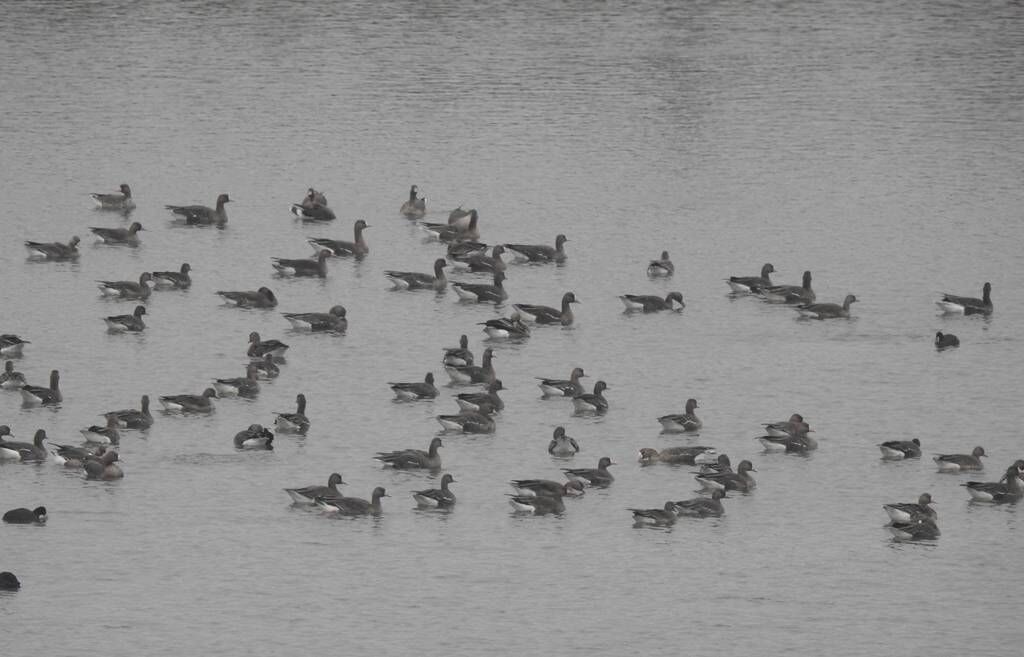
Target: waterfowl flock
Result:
[[476, 412]]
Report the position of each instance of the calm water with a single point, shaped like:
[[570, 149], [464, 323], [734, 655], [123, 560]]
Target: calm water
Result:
[[878, 145]]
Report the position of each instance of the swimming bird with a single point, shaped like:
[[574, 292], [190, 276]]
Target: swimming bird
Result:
[[480, 263], [752, 284], [679, 455], [409, 459], [312, 198], [309, 494], [341, 248], [11, 450], [255, 437], [547, 314], [541, 252], [261, 298], [720, 465], [415, 390], [946, 340], [354, 506], [798, 442], [410, 280], [903, 512], [455, 232], [485, 403], [462, 251], [591, 402], [482, 292], [312, 212], [127, 323], [790, 293], [116, 200], [11, 379], [296, 422], [795, 424], [105, 467], [72, 456], [9, 581], [682, 422], [741, 480], [661, 267], [827, 310], [414, 207], [53, 250], [467, 422], [332, 320], [266, 368], [38, 395], [126, 236], [259, 348], [438, 498], [103, 435], [961, 462], [547, 487], [130, 418], [178, 280], [649, 303], [128, 289], [702, 507], [919, 529], [895, 450], [563, 387], [537, 505], [189, 403], [23, 516], [663, 517], [458, 356], [459, 217], [243, 386], [483, 373], [506, 328], [562, 444], [11, 345], [598, 477], [200, 215], [954, 305], [302, 266], [1010, 489]]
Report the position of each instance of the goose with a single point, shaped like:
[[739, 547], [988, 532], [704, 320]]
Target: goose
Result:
[[485, 403], [354, 506], [961, 462], [485, 263], [547, 314], [126, 236], [482, 292], [741, 480], [455, 232], [895, 450], [19, 451], [954, 305], [903, 512], [127, 323], [591, 402], [798, 443], [259, 348], [459, 217], [127, 289], [720, 465], [790, 293], [547, 487], [663, 517], [409, 280], [130, 418], [312, 211], [415, 390], [11, 345], [483, 373], [946, 340], [752, 284], [103, 435], [54, 250], [104, 468], [200, 215], [537, 505], [920, 529], [340, 248], [243, 386], [680, 455], [313, 198], [541, 252], [296, 422], [458, 356], [702, 507], [74, 457], [463, 251], [38, 395], [437, 498], [661, 267], [11, 379], [1010, 489], [261, 298], [598, 477], [303, 267], [682, 422], [794, 424], [563, 387], [332, 320], [309, 494], [9, 581], [414, 207], [649, 303], [506, 328], [467, 422], [827, 310], [177, 280], [255, 437], [116, 200], [23, 516], [266, 369], [409, 459], [189, 403], [562, 444]]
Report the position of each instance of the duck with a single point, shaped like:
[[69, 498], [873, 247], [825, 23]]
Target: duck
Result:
[[342, 248], [538, 505], [243, 386], [648, 303], [127, 323], [128, 289], [104, 468], [951, 304], [752, 284], [436, 498], [255, 437], [547, 488], [177, 280], [115, 200], [919, 529], [663, 517], [541, 252], [130, 418], [591, 402], [562, 444], [790, 293], [414, 207], [411, 459], [904, 512], [261, 298], [547, 314], [332, 320], [661, 267], [827, 310], [18, 451], [189, 403], [486, 264], [563, 387], [11, 345], [482, 292], [200, 215], [485, 403], [895, 450], [11, 379], [296, 422], [483, 373], [23, 516], [945, 340], [354, 506], [467, 422], [103, 435], [308, 494], [741, 480], [682, 422], [702, 507], [9, 581], [506, 328], [460, 356], [1009, 489], [54, 250], [259, 348], [119, 236], [410, 280], [598, 477], [415, 390], [303, 267], [680, 455], [961, 462], [38, 395]]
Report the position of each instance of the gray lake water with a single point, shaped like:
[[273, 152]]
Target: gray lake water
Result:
[[879, 145]]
